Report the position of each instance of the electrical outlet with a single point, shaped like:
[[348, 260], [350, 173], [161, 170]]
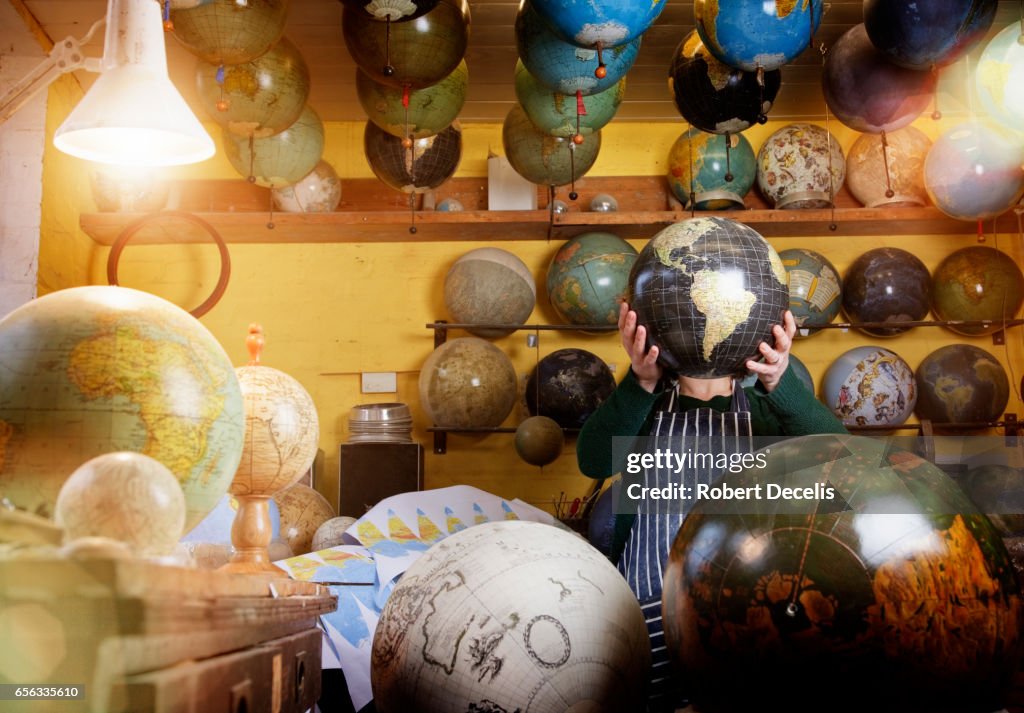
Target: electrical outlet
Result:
[[380, 382]]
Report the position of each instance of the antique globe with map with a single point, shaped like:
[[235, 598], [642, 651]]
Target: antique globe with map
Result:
[[977, 283], [709, 291], [303, 511], [815, 289], [227, 31], [542, 158], [100, 369], [510, 616], [319, 191], [870, 386], [467, 382], [281, 159], [588, 277], [961, 383]]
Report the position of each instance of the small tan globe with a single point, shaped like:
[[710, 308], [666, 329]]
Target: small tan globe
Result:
[[467, 382], [128, 497], [539, 440], [303, 511], [331, 533]]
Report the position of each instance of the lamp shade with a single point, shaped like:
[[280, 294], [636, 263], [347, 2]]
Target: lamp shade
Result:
[[133, 115]]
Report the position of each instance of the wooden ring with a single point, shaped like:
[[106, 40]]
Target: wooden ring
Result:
[[225, 260]]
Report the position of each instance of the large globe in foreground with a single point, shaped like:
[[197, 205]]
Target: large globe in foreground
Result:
[[709, 291], [542, 158], [928, 34], [588, 276], [467, 383], [719, 170], [886, 285], [996, 489], [567, 386], [815, 289], [977, 283], [756, 35], [510, 616], [870, 386], [227, 31], [281, 159], [101, 369], [489, 286], [427, 164], [880, 583], [961, 383]]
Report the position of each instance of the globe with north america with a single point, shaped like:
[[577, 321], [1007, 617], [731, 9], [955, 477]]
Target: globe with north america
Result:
[[708, 291]]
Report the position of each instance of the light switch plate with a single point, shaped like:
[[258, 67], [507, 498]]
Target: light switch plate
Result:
[[380, 382]]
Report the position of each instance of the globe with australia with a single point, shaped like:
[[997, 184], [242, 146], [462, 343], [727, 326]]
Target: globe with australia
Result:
[[91, 370], [708, 291]]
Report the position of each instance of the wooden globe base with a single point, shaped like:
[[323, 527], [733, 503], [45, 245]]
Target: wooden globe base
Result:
[[250, 535]]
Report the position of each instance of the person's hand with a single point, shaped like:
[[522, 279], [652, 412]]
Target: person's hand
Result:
[[634, 339], [776, 358]]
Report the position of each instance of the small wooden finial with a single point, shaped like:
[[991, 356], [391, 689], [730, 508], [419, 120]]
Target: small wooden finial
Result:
[[254, 343]]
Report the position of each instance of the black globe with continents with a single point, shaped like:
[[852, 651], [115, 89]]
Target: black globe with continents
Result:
[[708, 290], [427, 164], [875, 585], [961, 383], [567, 386]]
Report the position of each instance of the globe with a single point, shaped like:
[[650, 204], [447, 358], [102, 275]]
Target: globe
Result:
[[303, 511], [870, 386], [715, 97], [128, 188], [801, 166], [718, 170], [257, 98], [125, 496], [539, 440], [226, 31], [975, 171], [392, 10], [282, 159], [995, 489], [567, 386], [923, 35], [888, 170], [589, 276], [866, 91], [875, 584], [961, 383], [331, 533], [752, 36], [542, 158], [510, 616], [449, 205], [815, 290], [589, 24], [559, 114], [977, 283], [427, 164], [489, 286], [565, 68], [886, 285], [431, 109], [604, 203], [709, 291], [800, 370], [101, 369], [1000, 69], [467, 383], [409, 54], [319, 191]]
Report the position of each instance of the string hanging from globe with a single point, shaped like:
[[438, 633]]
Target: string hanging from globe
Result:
[[168, 23], [832, 225]]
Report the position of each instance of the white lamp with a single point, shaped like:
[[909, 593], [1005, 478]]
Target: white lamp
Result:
[[133, 115]]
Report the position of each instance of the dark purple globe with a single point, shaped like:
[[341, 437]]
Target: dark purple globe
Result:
[[886, 285], [926, 33]]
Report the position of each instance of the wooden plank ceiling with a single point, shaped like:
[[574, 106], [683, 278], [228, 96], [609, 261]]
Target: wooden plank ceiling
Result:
[[315, 27]]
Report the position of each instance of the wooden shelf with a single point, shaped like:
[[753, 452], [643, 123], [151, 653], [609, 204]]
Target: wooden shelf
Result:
[[372, 213]]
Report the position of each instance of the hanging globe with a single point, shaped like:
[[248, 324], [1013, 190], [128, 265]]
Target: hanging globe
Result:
[[281, 159], [815, 289], [589, 276], [866, 91], [926, 34], [977, 283], [227, 31], [589, 24], [886, 285], [258, 98], [542, 158], [715, 97], [975, 171], [391, 10], [1000, 75], [430, 110], [319, 191], [558, 114], [801, 166], [414, 54], [757, 35], [564, 67], [870, 386], [893, 176], [698, 162], [708, 291], [427, 164], [961, 383]]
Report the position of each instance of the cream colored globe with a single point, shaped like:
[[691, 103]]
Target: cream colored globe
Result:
[[331, 533], [303, 511], [125, 496]]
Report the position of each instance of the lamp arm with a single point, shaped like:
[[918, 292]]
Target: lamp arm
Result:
[[66, 56]]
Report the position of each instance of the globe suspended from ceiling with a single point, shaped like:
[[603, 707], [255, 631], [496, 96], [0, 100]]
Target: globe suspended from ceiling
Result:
[[927, 34], [542, 158], [258, 98], [226, 31], [715, 97], [429, 109], [1000, 76], [757, 35], [281, 159], [566, 115], [599, 25], [564, 67], [391, 10], [409, 54], [421, 165]]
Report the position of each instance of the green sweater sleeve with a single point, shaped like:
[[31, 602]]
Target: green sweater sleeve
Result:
[[790, 410], [625, 413]]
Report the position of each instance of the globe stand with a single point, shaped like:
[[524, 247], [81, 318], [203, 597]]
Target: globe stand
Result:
[[250, 536]]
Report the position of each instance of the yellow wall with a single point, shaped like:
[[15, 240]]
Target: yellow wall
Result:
[[331, 311]]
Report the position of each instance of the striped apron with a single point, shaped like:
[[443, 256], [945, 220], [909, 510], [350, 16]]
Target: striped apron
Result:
[[702, 430]]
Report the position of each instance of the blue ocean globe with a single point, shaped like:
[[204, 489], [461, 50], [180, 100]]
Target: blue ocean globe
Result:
[[559, 114], [926, 34], [606, 24], [718, 170], [757, 35]]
